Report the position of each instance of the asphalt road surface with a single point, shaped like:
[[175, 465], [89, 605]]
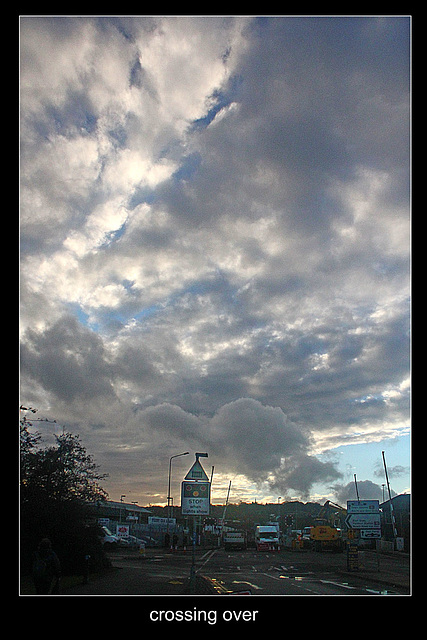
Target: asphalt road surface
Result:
[[261, 573]]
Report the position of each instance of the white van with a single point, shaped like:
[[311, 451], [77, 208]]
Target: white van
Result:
[[267, 538]]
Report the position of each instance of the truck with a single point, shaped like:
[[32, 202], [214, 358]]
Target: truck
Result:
[[326, 533], [267, 537], [234, 540], [325, 537], [109, 539]]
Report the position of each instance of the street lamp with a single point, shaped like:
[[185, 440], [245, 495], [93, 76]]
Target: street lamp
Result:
[[120, 511], [169, 483]]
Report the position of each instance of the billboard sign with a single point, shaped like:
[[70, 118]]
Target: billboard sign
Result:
[[122, 530]]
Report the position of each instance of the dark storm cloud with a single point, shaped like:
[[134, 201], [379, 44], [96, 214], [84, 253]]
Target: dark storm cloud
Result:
[[67, 360], [299, 474], [367, 490]]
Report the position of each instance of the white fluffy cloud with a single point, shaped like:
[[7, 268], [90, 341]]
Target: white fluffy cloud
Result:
[[215, 237]]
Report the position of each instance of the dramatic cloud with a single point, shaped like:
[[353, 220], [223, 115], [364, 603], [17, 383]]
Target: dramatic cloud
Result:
[[369, 490], [215, 239]]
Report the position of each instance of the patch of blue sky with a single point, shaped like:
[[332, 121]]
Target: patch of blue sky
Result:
[[82, 316], [220, 99], [75, 114], [365, 460], [114, 318], [77, 311], [189, 166], [148, 312], [118, 136], [125, 318], [141, 195], [114, 235]]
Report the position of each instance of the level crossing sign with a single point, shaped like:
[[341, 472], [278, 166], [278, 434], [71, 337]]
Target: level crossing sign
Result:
[[196, 490], [197, 473], [195, 498]]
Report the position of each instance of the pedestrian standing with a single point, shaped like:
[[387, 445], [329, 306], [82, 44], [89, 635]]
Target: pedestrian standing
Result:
[[46, 569]]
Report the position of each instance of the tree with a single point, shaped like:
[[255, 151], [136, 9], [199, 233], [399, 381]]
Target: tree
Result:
[[64, 472], [58, 486]]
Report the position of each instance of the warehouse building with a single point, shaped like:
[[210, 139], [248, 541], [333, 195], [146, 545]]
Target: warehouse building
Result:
[[122, 512]]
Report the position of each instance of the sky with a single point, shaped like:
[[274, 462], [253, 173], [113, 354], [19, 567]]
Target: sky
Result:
[[215, 249]]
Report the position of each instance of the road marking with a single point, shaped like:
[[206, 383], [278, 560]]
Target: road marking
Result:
[[209, 554], [255, 586], [269, 575], [338, 584]]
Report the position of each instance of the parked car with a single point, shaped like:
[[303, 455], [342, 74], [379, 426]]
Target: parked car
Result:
[[133, 542], [108, 539], [149, 541]]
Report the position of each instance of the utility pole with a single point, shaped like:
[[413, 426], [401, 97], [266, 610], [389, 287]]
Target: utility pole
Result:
[[225, 509], [169, 497], [393, 521], [357, 490]]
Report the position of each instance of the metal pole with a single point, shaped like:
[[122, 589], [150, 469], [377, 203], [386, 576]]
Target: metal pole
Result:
[[169, 492], [225, 506], [393, 521], [193, 559], [386, 475], [169, 485], [357, 490]]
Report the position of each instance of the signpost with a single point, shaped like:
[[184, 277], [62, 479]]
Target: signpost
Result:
[[352, 557], [195, 501], [195, 498], [363, 518], [370, 534], [197, 472], [363, 521], [363, 506]]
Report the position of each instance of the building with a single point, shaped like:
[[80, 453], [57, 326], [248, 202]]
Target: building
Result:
[[124, 512], [402, 518]]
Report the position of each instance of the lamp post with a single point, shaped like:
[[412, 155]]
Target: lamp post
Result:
[[120, 512], [169, 483]]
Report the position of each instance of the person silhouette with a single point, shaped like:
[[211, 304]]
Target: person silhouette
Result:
[[46, 569]]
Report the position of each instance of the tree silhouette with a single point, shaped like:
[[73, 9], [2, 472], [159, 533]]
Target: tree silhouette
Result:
[[59, 491]]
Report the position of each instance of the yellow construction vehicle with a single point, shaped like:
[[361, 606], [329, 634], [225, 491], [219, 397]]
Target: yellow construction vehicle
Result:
[[326, 533]]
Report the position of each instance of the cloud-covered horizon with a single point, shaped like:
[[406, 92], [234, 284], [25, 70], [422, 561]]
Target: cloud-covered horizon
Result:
[[215, 239]]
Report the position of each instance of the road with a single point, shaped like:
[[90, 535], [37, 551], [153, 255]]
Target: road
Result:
[[286, 573]]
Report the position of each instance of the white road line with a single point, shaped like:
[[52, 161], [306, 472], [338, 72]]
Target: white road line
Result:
[[209, 554], [255, 586], [270, 575], [337, 584]]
